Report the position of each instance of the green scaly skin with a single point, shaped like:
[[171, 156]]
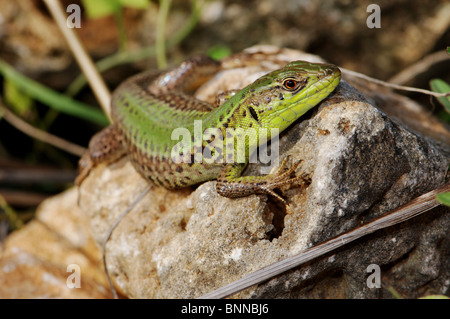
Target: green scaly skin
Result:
[[146, 109]]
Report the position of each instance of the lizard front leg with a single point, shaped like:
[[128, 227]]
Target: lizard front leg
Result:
[[231, 184]]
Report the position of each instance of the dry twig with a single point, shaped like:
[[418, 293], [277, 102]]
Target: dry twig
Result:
[[84, 61], [393, 85], [419, 67], [39, 134]]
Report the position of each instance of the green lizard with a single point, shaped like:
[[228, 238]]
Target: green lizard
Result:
[[147, 108]]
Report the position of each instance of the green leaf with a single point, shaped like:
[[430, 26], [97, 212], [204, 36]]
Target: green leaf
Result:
[[444, 198], [218, 52], [444, 116], [448, 50], [440, 86], [52, 98], [101, 8], [138, 4]]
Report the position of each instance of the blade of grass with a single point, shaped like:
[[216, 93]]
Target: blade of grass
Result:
[[53, 99], [394, 293]]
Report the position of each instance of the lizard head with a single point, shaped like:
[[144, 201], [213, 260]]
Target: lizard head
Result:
[[279, 98]]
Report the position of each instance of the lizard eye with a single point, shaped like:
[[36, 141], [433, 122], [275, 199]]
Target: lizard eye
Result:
[[294, 85], [290, 84]]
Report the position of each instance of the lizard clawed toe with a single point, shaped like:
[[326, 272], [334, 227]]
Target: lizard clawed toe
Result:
[[280, 178]]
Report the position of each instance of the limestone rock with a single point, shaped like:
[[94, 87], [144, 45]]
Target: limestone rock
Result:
[[38, 259], [357, 162]]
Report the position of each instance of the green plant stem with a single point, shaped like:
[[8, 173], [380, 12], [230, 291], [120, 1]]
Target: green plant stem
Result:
[[163, 14], [120, 58], [52, 98], [122, 32]]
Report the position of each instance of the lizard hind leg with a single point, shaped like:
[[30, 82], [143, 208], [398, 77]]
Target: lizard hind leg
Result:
[[105, 147]]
